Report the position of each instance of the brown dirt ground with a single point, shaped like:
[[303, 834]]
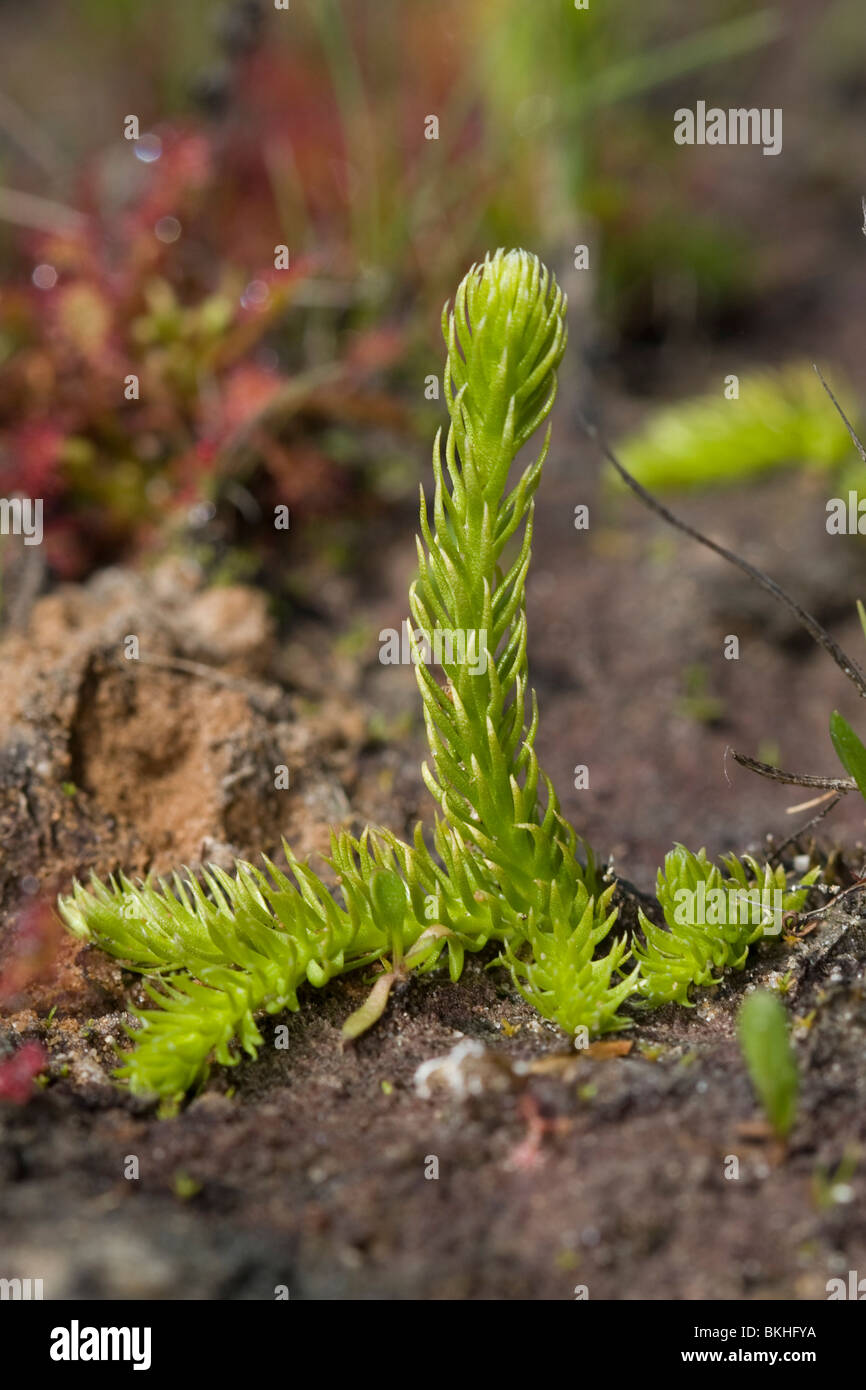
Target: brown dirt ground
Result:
[[307, 1167]]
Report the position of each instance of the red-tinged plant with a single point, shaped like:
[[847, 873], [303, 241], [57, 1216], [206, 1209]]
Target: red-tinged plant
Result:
[[30, 949], [18, 1072], [156, 365], [310, 147]]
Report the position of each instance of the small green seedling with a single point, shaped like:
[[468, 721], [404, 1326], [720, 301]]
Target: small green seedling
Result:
[[849, 749], [762, 1027], [185, 1187], [848, 745]]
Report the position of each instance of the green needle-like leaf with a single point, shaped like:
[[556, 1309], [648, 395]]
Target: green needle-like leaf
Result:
[[762, 1028]]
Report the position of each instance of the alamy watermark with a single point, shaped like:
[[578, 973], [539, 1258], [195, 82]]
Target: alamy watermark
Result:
[[22, 516], [730, 907], [20, 1290], [77, 1343], [442, 647], [739, 125], [846, 516], [855, 1288]]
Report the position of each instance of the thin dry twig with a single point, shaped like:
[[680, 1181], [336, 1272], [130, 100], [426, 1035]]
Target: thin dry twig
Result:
[[846, 422], [813, 801], [794, 779], [806, 620], [840, 785], [810, 824], [825, 907]]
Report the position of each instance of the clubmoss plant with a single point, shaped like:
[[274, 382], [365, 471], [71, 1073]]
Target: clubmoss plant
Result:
[[712, 919], [224, 950]]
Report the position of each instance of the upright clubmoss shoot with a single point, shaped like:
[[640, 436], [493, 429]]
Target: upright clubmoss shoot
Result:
[[506, 335]]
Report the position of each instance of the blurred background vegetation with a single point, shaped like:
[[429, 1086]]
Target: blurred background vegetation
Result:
[[306, 127]]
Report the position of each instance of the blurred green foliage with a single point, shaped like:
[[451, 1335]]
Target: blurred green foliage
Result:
[[780, 418], [575, 117], [307, 127]]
